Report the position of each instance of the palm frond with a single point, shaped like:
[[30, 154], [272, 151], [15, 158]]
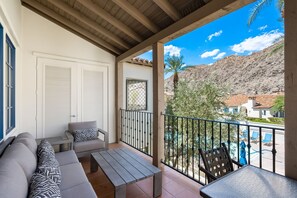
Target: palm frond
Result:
[[256, 9]]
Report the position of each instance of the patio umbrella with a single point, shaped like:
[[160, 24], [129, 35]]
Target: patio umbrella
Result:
[[242, 159]]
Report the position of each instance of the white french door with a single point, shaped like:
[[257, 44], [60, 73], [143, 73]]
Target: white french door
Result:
[[69, 92]]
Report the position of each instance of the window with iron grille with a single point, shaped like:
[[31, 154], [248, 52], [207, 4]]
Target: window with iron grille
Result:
[[136, 95]]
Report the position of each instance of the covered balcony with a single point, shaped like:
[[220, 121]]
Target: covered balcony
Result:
[[69, 61]]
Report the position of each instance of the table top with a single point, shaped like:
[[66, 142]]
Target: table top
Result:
[[123, 167], [250, 181], [55, 140]]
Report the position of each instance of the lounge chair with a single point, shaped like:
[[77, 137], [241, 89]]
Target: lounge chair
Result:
[[244, 134], [255, 136], [267, 139]]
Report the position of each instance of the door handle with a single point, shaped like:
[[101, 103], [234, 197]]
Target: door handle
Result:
[[73, 116]]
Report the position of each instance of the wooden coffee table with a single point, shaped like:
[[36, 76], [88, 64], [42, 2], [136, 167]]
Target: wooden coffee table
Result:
[[123, 167]]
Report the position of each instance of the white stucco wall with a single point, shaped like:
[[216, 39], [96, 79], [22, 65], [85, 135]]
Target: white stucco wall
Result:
[[11, 20], [138, 72], [42, 36]]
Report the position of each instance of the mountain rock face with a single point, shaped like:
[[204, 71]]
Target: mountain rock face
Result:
[[259, 73]]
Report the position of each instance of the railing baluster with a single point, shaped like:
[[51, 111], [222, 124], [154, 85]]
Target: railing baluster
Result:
[[249, 146], [260, 147], [193, 171], [273, 150], [182, 145], [212, 137]]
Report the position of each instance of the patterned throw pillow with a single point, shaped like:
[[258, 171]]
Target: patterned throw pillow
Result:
[[51, 172], [45, 148], [48, 160], [42, 187], [85, 135]]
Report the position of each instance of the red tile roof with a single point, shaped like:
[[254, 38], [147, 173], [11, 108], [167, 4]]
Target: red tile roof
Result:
[[236, 100], [262, 101]]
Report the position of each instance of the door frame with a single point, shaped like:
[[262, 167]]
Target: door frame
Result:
[[79, 66]]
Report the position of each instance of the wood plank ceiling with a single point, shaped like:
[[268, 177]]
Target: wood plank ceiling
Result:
[[118, 26]]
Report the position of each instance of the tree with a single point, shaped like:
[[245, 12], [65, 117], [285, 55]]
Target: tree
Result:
[[279, 104], [260, 5], [197, 106], [174, 64]]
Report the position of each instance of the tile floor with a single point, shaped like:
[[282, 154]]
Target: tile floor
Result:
[[174, 184]]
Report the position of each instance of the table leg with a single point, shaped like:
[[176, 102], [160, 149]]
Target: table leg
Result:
[[120, 191], [61, 147], [93, 164], [158, 184]]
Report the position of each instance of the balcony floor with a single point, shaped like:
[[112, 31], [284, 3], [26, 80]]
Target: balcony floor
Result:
[[174, 184]]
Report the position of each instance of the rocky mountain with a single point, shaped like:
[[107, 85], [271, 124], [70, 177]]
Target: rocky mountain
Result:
[[259, 73]]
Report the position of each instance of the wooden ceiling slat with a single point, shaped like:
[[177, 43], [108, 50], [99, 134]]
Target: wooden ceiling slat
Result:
[[169, 9], [131, 10], [108, 17], [66, 8], [50, 14], [211, 11]]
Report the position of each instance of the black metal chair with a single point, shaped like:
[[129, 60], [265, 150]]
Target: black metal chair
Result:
[[217, 162]]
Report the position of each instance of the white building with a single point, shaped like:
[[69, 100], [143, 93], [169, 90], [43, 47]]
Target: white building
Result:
[[258, 106]]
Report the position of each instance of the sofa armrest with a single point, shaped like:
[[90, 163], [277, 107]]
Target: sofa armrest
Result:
[[106, 137]]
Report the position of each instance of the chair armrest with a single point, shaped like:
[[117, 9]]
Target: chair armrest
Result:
[[238, 164], [69, 135], [209, 174], [106, 136]]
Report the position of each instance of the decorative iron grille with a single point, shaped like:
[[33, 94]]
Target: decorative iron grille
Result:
[[136, 94]]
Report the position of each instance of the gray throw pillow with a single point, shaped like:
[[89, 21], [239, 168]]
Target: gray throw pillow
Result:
[[85, 135], [42, 187]]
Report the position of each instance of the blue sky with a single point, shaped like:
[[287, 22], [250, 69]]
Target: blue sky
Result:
[[226, 36]]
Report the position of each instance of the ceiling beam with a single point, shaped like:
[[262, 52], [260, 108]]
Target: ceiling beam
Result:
[[169, 9], [89, 22], [110, 19], [61, 21], [204, 15], [136, 14]]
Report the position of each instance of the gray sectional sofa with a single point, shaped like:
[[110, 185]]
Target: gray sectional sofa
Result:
[[18, 162]]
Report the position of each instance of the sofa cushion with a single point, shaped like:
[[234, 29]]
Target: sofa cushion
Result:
[[30, 143], [66, 157], [72, 175], [26, 135], [89, 145], [42, 186], [79, 191], [23, 156], [85, 134], [13, 181]]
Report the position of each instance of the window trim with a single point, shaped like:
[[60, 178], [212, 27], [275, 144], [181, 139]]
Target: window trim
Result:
[[11, 98], [146, 94], [1, 82]]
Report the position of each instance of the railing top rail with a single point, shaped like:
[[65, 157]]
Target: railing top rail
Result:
[[226, 122], [141, 111]]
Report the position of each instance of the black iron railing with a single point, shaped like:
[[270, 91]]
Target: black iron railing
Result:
[[250, 144], [136, 130], [258, 145]]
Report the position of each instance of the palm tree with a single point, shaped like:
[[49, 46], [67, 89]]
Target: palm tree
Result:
[[259, 6], [174, 64]]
